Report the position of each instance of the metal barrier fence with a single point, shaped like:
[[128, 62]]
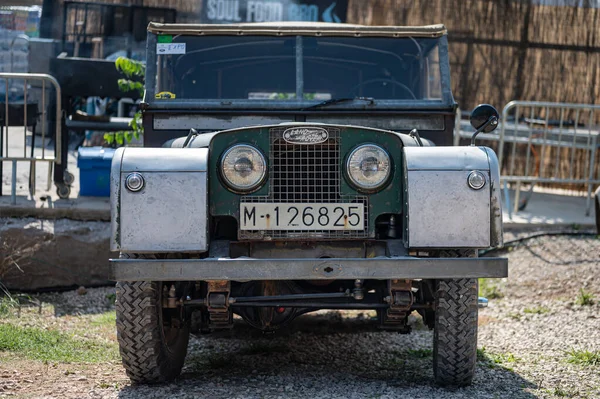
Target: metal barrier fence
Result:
[[17, 111], [544, 142], [558, 130]]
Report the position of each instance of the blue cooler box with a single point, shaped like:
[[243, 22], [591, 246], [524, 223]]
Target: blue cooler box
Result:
[[94, 171]]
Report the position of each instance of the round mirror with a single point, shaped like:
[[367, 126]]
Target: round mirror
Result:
[[481, 114]]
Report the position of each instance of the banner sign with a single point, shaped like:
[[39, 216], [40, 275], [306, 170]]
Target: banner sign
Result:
[[239, 11]]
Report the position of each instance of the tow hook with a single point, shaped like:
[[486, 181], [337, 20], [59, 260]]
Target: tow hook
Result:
[[482, 302]]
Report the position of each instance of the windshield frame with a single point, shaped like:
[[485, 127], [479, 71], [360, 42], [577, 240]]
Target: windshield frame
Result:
[[446, 101]]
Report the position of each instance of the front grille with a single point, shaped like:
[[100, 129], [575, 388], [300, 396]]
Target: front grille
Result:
[[305, 173]]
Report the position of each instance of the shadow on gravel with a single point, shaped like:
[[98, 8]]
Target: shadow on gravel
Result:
[[80, 301], [325, 356], [574, 252]]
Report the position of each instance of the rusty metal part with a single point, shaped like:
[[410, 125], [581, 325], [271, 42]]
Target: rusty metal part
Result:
[[400, 300], [265, 315], [259, 304], [217, 302]]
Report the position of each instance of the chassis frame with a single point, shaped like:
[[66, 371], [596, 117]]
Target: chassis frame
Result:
[[382, 268]]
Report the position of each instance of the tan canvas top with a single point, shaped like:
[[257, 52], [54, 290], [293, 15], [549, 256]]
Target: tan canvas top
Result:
[[297, 28]]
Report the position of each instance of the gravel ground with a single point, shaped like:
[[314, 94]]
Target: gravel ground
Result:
[[525, 337]]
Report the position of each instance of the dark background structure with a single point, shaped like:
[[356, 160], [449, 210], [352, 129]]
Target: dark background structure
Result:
[[500, 50]]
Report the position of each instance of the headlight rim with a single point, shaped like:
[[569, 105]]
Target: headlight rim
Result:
[[231, 186], [368, 190]]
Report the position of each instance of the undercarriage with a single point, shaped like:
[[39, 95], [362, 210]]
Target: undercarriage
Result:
[[270, 293], [270, 305]]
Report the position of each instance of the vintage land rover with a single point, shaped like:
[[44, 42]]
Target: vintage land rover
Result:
[[294, 167]]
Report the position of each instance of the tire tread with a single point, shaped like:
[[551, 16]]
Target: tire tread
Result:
[[144, 354], [138, 331], [455, 332]]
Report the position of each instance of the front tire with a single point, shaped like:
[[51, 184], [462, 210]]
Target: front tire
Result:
[[455, 332], [152, 348]]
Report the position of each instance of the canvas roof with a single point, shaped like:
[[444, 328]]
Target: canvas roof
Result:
[[297, 28]]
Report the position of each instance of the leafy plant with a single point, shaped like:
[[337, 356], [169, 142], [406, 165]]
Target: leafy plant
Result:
[[493, 360], [489, 290], [536, 310], [560, 392], [134, 72], [111, 298], [587, 358], [585, 298]]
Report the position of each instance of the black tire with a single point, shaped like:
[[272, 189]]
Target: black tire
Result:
[[455, 332], [150, 350]]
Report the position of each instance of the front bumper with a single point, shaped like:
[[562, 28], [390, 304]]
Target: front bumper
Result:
[[243, 269]]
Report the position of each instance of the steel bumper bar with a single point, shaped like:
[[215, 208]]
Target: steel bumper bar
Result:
[[241, 269]]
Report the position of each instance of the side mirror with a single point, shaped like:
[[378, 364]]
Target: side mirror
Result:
[[484, 118]]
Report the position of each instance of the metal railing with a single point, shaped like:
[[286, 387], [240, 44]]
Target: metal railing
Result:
[[544, 142], [551, 135], [17, 113]]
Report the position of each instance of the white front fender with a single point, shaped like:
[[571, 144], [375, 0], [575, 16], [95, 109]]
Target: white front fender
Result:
[[442, 211], [170, 212]]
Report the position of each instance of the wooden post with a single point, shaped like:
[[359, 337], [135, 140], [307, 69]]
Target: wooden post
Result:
[[522, 54], [465, 86]]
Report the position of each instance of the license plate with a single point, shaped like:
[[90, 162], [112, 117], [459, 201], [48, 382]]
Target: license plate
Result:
[[288, 216]]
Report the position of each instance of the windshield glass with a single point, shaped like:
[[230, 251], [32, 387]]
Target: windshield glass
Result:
[[291, 68]]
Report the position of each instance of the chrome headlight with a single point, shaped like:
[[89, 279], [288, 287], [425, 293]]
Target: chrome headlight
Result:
[[368, 167], [243, 168]]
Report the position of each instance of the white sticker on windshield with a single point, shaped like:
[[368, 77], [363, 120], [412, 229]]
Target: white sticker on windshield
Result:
[[170, 48]]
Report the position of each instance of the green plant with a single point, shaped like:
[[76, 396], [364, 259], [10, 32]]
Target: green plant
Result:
[[536, 310], [481, 354], [493, 360], [585, 298], [104, 319], [111, 298], [489, 290], [7, 304], [563, 393], [51, 345], [504, 358], [134, 72], [515, 315], [584, 357], [420, 353]]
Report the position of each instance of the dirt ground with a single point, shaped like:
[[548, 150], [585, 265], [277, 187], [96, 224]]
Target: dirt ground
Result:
[[539, 338]]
